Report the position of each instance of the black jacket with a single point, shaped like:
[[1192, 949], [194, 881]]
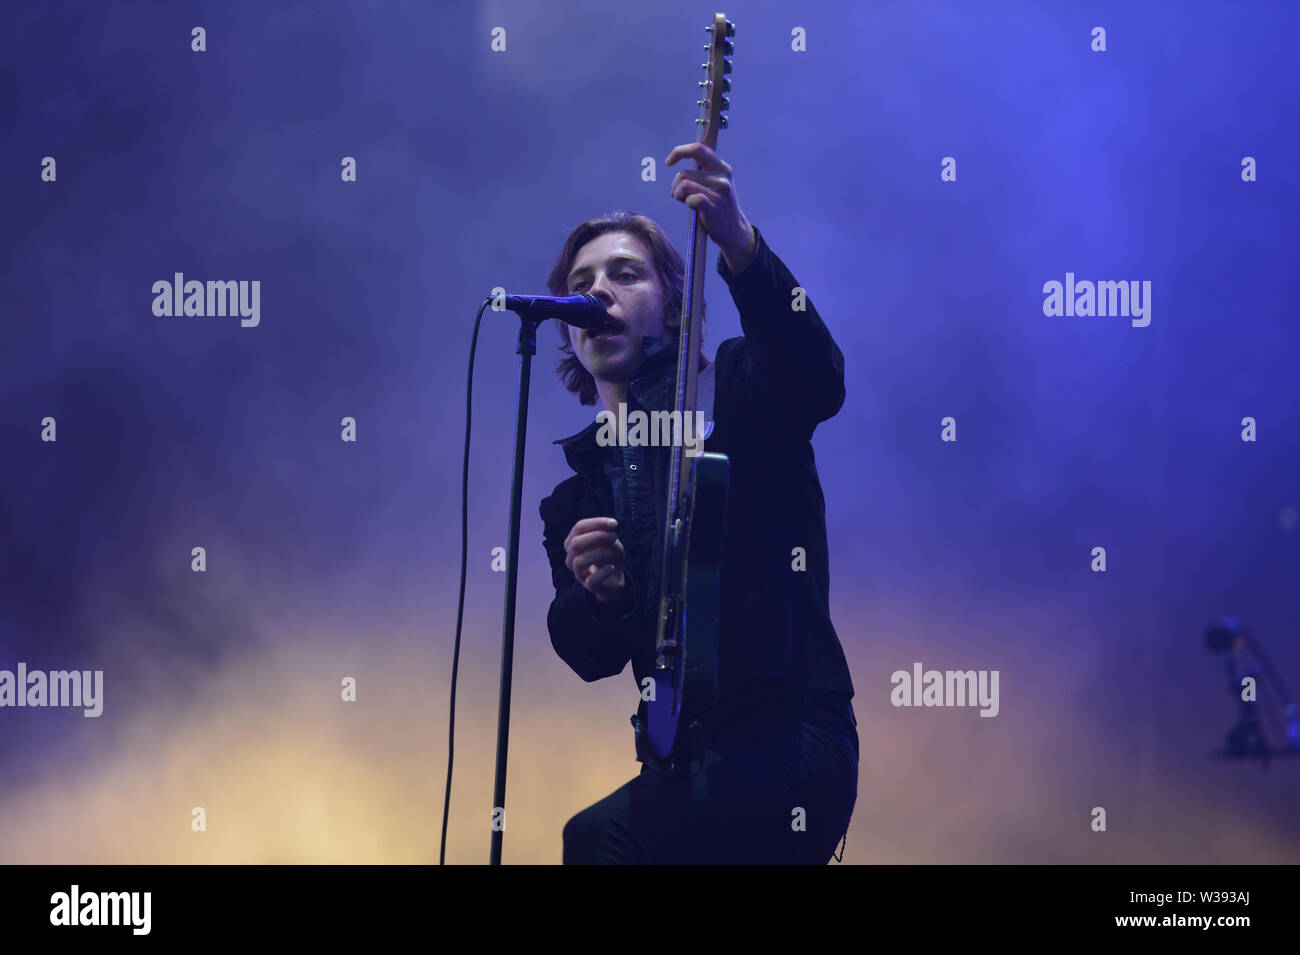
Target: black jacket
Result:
[[772, 388]]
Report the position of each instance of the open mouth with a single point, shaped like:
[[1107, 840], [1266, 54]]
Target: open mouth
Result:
[[607, 332]]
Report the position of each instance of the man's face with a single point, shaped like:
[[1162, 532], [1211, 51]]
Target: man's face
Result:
[[616, 268]]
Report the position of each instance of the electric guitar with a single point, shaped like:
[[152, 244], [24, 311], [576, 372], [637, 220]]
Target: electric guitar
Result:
[[685, 683]]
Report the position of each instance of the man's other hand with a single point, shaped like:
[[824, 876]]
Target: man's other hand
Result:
[[595, 555]]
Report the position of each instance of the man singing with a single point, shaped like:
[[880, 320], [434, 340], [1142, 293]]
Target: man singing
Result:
[[780, 773]]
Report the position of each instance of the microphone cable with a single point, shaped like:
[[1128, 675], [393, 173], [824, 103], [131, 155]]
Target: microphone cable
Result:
[[464, 550]]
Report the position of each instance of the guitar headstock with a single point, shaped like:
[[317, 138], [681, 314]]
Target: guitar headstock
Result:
[[717, 81]]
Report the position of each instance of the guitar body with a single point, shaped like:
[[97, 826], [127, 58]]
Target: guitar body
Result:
[[685, 687]]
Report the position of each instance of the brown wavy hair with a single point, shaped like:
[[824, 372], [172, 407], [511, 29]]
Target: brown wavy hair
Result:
[[668, 266]]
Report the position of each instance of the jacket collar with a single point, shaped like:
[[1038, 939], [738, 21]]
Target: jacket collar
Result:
[[650, 387]]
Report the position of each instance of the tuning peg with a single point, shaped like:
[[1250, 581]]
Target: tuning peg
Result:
[[722, 121], [726, 84], [726, 66], [729, 48], [726, 103], [731, 28]]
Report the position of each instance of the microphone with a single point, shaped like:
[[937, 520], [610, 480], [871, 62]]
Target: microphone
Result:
[[581, 311]]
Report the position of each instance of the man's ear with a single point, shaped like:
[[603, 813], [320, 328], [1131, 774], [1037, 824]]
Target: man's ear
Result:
[[672, 320]]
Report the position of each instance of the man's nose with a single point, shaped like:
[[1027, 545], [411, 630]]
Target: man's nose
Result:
[[600, 289]]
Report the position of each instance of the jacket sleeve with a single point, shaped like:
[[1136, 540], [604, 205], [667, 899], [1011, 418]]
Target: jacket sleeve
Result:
[[790, 368], [592, 640]]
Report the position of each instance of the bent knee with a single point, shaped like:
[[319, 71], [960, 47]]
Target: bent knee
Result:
[[594, 838]]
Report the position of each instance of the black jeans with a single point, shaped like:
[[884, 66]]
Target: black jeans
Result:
[[778, 788]]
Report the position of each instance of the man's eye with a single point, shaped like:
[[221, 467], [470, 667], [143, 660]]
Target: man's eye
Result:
[[582, 283]]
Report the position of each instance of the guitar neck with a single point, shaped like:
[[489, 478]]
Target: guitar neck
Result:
[[710, 120], [688, 358]]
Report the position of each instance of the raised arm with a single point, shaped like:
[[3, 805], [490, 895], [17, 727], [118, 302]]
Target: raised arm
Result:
[[791, 370], [790, 365]]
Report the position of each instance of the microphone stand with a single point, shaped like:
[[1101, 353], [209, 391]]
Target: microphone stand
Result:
[[527, 348]]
